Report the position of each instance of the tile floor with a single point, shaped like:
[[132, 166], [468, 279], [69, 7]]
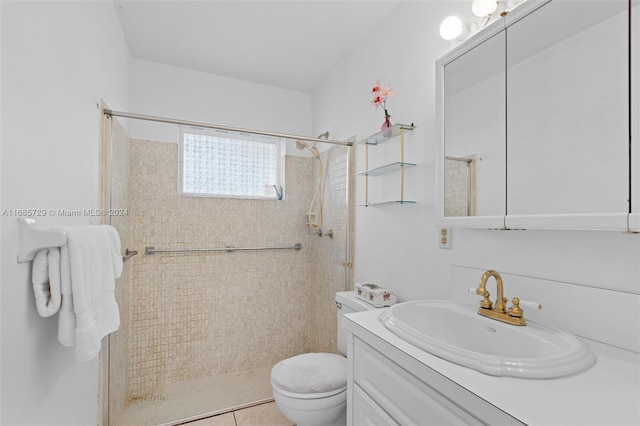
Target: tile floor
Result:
[[258, 415]]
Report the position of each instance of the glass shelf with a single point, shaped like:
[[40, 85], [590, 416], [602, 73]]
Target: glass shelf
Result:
[[386, 134], [388, 168], [386, 202]]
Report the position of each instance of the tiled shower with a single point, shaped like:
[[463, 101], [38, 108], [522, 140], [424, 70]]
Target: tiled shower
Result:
[[200, 331]]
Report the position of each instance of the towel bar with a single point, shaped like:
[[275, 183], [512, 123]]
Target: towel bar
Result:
[[229, 249], [31, 239]]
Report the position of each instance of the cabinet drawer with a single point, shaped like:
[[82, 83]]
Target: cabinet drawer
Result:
[[366, 412], [408, 400]]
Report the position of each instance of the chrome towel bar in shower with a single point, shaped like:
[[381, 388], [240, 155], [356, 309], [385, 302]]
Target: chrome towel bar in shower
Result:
[[228, 249]]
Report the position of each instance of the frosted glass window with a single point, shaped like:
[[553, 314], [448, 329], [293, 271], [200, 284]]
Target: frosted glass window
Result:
[[234, 165]]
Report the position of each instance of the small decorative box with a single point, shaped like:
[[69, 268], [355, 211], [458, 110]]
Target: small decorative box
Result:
[[375, 295]]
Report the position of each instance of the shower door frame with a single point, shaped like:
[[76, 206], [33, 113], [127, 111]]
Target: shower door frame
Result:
[[106, 164], [106, 160]]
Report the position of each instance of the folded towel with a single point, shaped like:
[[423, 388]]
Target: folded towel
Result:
[[67, 318], [89, 264], [46, 281]]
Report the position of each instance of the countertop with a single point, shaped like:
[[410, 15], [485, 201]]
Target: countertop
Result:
[[607, 394]]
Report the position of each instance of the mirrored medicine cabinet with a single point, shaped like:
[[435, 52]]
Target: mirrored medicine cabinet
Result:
[[535, 120]]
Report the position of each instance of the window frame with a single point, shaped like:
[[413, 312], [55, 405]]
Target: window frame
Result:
[[279, 143]]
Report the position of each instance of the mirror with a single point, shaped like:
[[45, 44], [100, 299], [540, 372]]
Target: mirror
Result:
[[474, 123], [567, 110], [536, 120]]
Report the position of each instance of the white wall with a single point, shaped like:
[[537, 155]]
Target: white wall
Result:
[[397, 245], [173, 92], [58, 60]]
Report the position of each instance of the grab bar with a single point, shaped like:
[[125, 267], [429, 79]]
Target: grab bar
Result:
[[228, 249]]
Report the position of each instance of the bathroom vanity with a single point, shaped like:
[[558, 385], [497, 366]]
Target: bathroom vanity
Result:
[[393, 382]]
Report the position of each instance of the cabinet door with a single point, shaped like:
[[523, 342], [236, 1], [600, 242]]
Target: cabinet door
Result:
[[474, 147], [568, 111], [366, 412], [408, 400]]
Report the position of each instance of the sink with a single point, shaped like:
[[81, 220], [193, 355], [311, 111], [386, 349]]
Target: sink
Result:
[[456, 333]]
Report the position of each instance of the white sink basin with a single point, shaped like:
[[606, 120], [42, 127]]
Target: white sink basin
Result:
[[457, 333]]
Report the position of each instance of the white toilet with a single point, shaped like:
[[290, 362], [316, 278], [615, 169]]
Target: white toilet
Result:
[[311, 389]]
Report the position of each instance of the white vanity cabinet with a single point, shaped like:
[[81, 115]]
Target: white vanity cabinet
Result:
[[392, 382], [403, 391]]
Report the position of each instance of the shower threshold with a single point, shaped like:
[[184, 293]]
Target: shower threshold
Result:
[[195, 399]]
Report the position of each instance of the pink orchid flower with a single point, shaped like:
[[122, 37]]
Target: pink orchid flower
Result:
[[380, 95]]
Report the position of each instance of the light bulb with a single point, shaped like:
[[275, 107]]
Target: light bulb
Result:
[[451, 28], [482, 8]]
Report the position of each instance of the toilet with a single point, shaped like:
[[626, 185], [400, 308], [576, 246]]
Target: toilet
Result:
[[311, 389]]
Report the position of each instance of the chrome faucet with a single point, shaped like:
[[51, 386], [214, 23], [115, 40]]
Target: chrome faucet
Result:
[[499, 312]]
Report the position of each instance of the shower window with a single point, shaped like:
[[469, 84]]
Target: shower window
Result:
[[234, 165]]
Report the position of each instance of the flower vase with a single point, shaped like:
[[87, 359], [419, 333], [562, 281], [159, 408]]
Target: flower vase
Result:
[[386, 126]]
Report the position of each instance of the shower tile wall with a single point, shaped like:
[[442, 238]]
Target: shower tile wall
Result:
[[200, 314], [197, 315], [328, 254]]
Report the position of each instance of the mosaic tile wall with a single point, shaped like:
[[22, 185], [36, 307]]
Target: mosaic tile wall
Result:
[[328, 254], [198, 314]]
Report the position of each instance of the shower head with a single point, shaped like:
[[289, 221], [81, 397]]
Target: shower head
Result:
[[312, 149], [301, 145], [324, 135]]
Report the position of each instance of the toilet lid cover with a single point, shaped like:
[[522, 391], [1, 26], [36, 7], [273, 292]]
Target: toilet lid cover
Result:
[[311, 373]]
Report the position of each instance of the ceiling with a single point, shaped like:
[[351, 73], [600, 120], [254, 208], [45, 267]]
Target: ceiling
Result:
[[292, 44]]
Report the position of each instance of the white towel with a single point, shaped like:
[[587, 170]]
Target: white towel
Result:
[[67, 318], [89, 264], [45, 277]]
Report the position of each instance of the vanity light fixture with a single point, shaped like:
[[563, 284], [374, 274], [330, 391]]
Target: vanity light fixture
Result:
[[482, 8], [452, 28], [485, 11]]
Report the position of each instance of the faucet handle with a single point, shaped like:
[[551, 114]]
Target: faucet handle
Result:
[[530, 304], [485, 303], [515, 310]]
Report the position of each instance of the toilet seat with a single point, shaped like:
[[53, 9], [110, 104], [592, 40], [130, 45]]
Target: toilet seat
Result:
[[310, 376]]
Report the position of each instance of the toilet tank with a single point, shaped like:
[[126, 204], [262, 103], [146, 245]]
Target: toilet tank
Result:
[[346, 303]]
